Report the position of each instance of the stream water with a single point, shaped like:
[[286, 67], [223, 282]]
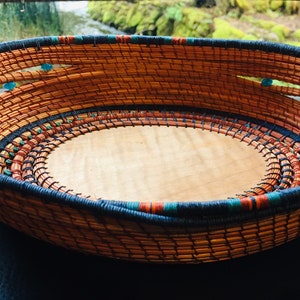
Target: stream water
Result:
[[76, 20]]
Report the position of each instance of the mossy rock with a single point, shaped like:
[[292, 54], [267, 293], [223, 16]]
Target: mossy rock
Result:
[[182, 31], [264, 24], [94, 10], [276, 4], [249, 37], [224, 30], [196, 21], [142, 18], [291, 7], [222, 7], [108, 17], [134, 16], [150, 15], [149, 29], [192, 16], [164, 26], [261, 5], [244, 5], [296, 35], [293, 43], [281, 31], [120, 20]]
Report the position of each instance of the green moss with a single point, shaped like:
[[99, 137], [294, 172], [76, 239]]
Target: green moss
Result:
[[164, 26], [249, 37], [225, 30], [120, 20], [293, 43], [261, 5], [182, 18], [281, 31], [196, 22], [265, 24], [291, 7], [93, 10], [276, 4], [182, 31], [296, 35], [134, 16], [244, 5], [109, 12], [147, 16], [174, 13]]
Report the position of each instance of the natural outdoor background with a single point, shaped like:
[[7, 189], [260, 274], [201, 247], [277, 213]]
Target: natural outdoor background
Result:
[[270, 20]]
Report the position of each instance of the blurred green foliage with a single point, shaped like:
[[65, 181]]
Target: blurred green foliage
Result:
[[28, 19]]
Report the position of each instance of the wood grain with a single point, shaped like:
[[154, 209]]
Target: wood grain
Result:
[[156, 164]]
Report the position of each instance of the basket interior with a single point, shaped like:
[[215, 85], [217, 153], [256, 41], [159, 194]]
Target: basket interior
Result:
[[58, 88]]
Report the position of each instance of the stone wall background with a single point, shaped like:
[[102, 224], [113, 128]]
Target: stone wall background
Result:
[[272, 20]]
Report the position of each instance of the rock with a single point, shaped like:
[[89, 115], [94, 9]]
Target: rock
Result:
[[182, 18], [120, 18], [244, 5], [281, 31], [147, 16], [174, 13], [273, 37], [264, 24], [293, 43], [134, 17], [164, 26], [94, 10], [222, 7], [225, 30], [182, 31], [276, 4], [261, 5], [292, 7], [196, 21], [108, 16], [249, 37], [296, 35]]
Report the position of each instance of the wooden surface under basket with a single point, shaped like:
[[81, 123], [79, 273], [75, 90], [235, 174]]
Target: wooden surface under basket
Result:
[[57, 89]]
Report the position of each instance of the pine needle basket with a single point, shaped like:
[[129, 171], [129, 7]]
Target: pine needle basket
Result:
[[56, 88]]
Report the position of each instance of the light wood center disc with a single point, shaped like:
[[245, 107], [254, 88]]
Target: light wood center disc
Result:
[[156, 164]]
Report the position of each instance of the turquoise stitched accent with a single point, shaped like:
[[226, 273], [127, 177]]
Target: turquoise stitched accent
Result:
[[7, 172], [54, 40], [8, 162], [9, 85], [190, 41], [134, 39], [47, 67], [78, 39], [170, 207], [112, 39], [168, 40], [132, 205], [267, 82], [274, 198], [234, 204]]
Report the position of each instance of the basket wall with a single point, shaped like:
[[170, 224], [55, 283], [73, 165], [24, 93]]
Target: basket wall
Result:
[[80, 73]]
